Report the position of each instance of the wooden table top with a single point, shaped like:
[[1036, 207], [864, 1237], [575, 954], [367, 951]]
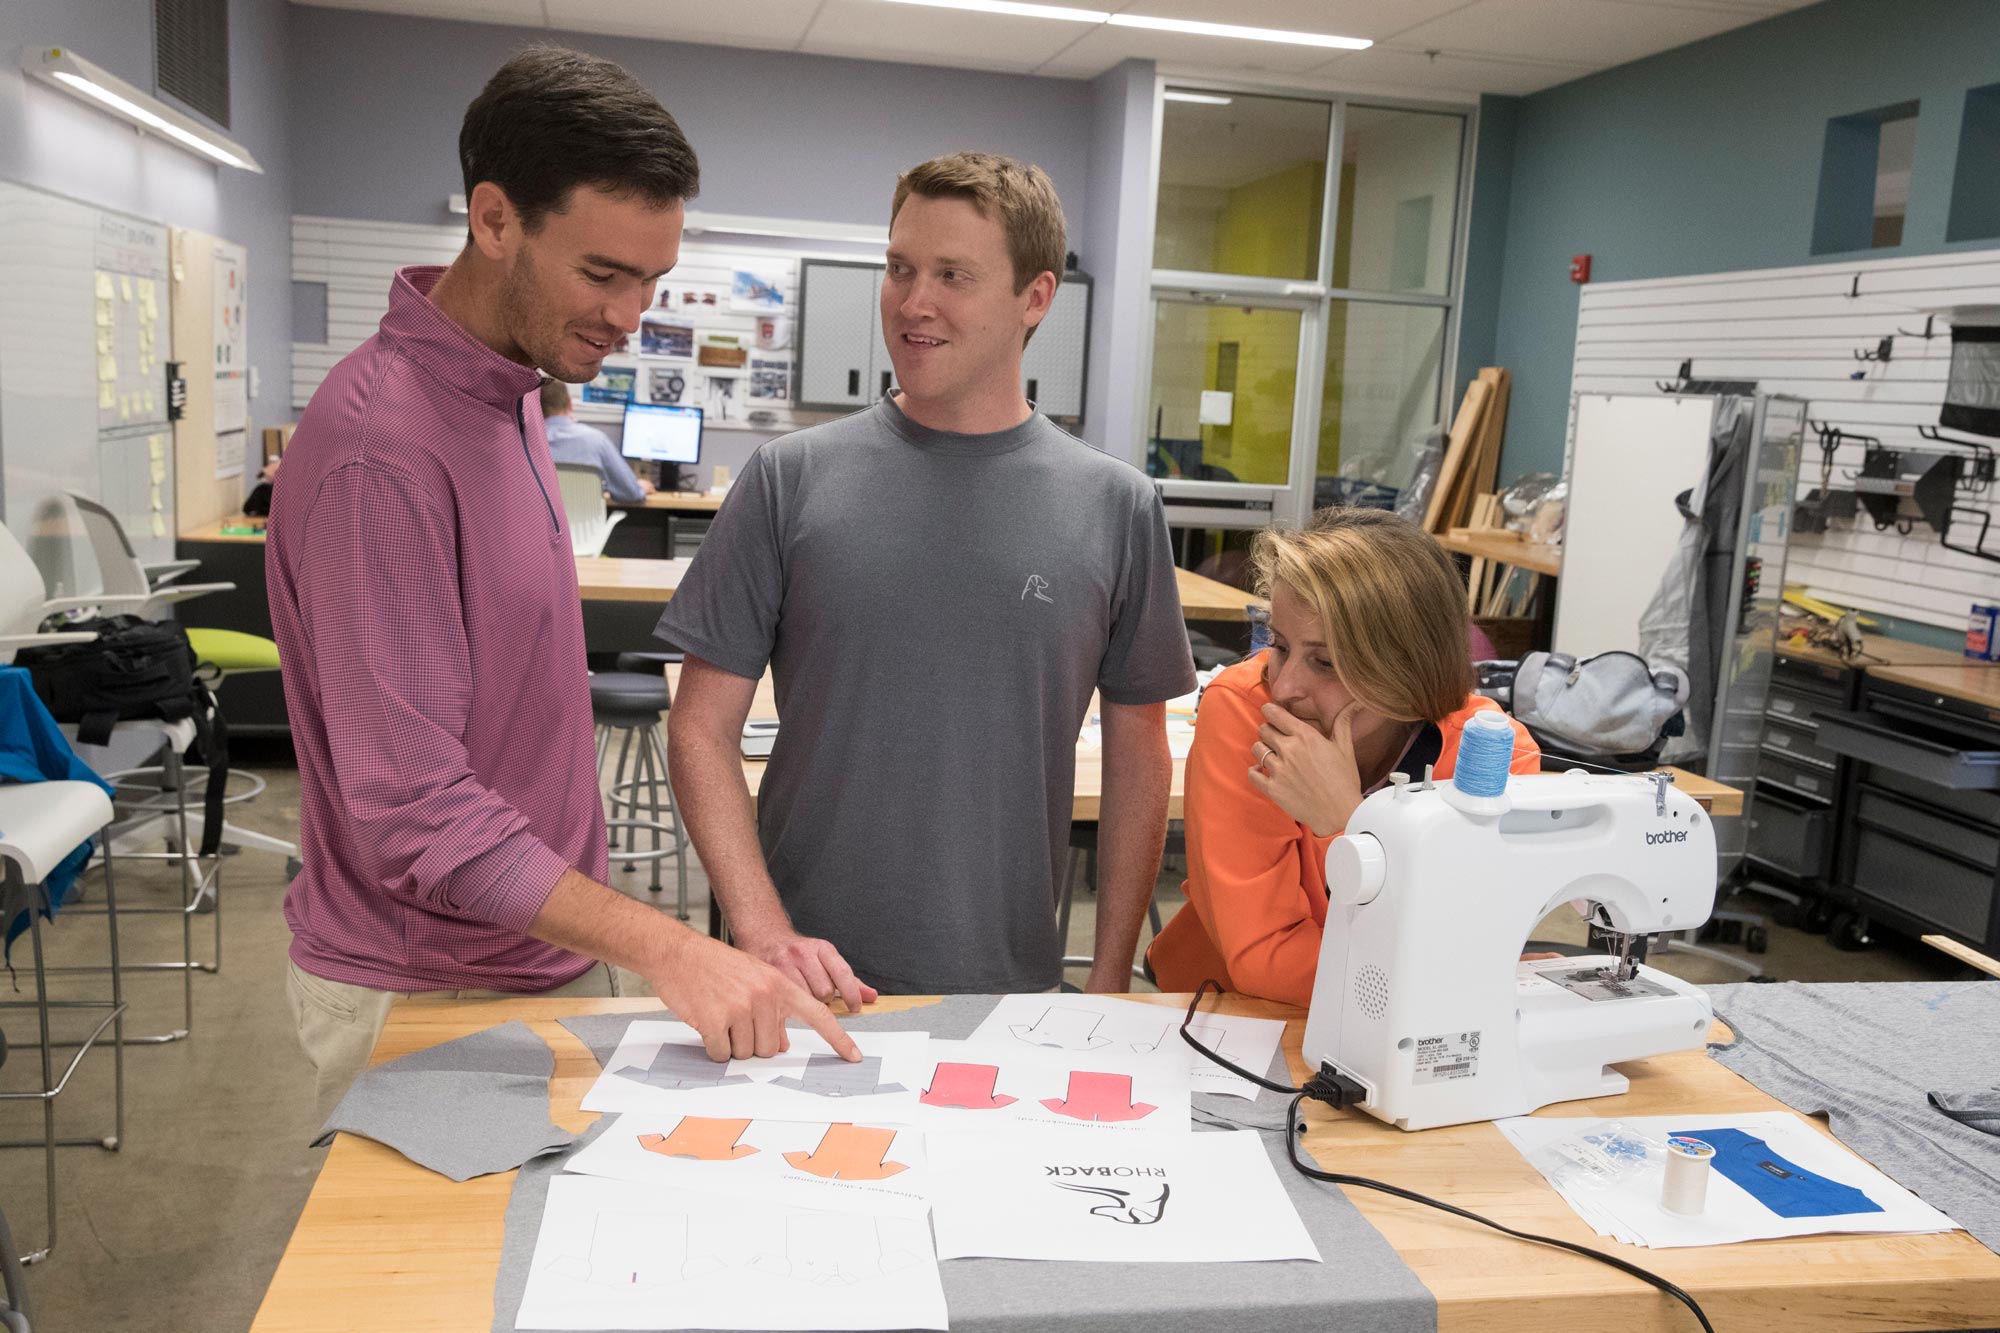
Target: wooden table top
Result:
[[1880, 652], [1204, 598], [699, 502], [427, 1250], [615, 578], [212, 532], [1975, 684], [1719, 800]]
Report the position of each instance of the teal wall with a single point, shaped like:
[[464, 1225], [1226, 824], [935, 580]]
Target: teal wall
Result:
[[1486, 239], [1703, 159]]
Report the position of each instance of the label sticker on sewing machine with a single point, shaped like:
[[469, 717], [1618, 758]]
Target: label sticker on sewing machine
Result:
[[1593, 984], [1447, 1056]]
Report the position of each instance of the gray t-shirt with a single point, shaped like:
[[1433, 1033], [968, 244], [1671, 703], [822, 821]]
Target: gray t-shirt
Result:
[[935, 610]]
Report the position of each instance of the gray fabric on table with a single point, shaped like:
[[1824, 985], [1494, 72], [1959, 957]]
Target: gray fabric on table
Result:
[[463, 1108], [1868, 1054], [1979, 1108], [1362, 1284], [602, 1032]]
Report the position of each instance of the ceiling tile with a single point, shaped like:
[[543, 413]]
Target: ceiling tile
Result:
[[1373, 19], [1591, 32], [953, 37], [767, 24], [1382, 67], [1101, 48], [526, 13]]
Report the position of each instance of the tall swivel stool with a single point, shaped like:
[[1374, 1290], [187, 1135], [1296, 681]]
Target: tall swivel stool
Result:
[[627, 705]]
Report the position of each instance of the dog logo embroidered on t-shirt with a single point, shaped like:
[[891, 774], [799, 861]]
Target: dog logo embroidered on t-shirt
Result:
[[1039, 586]]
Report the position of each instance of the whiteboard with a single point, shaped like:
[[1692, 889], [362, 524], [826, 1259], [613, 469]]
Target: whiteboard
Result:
[[1632, 455], [85, 336]]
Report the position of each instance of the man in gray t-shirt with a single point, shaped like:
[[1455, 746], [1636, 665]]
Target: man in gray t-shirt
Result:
[[937, 585]]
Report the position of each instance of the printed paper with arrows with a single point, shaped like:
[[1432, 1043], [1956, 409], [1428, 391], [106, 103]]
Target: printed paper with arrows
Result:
[[1058, 1193], [994, 1085], [1083, 1024], [851, 1167], [660, 1067]]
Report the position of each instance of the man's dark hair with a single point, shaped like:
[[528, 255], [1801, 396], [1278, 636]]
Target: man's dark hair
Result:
[[552, 119]]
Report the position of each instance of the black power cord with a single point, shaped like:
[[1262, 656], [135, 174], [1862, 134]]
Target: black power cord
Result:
[[1337, 1091]]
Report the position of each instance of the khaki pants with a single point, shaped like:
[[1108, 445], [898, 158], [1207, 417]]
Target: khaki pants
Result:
[[338, 1022]]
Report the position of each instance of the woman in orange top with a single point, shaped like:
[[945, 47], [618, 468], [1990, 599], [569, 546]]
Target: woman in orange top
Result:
[[1368, 671]]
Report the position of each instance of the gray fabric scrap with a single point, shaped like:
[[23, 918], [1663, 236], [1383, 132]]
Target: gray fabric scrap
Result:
[[1979, 1108], [1864, 1054], [464, 1108], [602, 1032]]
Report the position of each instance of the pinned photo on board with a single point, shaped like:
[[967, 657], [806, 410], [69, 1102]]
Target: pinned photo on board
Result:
[[662, 336], [756, 292]]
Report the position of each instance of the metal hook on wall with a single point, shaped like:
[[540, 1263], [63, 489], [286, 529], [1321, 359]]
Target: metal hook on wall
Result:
[[1927, 334], [1882, 351], [1681, 378]]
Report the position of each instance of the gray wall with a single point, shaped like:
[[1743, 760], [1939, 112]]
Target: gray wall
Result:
[[1707, 159], [56, 143], [378, 100]]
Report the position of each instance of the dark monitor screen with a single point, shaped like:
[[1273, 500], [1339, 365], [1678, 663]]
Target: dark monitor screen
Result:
[[662, 433]]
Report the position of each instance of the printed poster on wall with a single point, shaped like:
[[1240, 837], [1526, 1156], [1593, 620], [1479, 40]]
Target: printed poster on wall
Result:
[[232, 367]]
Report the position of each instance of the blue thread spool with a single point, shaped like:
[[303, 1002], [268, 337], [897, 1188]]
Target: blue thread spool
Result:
[[1485, 753]]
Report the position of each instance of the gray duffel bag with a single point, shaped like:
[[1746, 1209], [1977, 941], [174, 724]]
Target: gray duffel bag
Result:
[[1613, 703]]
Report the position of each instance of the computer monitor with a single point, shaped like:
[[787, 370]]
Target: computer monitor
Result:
[[662, 433]]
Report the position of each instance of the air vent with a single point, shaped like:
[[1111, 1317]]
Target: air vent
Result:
[[1371, 991], [191, 54]]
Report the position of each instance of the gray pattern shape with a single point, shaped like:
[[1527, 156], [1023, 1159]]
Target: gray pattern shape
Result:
[[679, 1067], [831, 1076], [469, 1107]]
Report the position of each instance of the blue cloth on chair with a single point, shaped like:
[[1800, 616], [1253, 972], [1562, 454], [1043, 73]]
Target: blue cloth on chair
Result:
[[33, 749]]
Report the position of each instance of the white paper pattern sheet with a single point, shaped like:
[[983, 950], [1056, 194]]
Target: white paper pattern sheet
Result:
[[1002, 1085], [614, 1254], [1089, 1023], [841, 1166], [1059, 1193], [661, 1067]]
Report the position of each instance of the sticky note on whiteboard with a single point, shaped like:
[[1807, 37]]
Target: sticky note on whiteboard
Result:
[[1217, 407]]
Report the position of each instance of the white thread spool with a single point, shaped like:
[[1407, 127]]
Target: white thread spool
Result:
[[1685, 1190]]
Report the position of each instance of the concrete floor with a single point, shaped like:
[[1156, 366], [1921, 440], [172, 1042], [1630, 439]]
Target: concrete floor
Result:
[[182, 1228]]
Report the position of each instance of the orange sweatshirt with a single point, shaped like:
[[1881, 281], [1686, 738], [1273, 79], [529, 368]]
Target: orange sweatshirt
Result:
[[1256, 886]]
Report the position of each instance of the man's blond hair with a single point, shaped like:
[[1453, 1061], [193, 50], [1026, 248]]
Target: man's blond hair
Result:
[[1019, 194], [1389, 605]]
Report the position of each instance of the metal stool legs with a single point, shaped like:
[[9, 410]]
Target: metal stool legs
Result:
[[52, 1087], [648, 796]]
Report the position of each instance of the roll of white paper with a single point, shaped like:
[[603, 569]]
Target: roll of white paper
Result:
[[1685, 1190]]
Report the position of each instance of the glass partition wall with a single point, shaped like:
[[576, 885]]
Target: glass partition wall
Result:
[[1302, 316]]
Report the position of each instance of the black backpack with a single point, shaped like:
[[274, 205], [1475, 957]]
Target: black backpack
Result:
[[135, 669]]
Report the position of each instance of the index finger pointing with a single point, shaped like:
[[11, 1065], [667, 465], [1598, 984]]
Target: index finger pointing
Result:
[[820, 1018]]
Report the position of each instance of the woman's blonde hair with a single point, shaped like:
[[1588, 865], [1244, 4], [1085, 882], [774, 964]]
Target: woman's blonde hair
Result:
[[1389, 601]]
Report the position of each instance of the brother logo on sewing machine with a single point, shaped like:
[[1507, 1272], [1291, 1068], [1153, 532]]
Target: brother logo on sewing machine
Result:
[[1452, 1055], [1668, 835]]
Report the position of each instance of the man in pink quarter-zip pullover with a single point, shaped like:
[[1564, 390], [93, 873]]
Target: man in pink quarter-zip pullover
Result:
[[425, 602]]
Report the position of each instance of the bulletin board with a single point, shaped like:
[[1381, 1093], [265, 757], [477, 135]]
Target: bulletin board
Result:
[[211, 310], [85, 338]]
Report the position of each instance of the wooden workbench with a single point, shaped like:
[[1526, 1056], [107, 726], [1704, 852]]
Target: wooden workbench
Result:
[[1719, 800], [1972, 682], [212, 532], [679, 502], [421, 1253], [1880, 652]]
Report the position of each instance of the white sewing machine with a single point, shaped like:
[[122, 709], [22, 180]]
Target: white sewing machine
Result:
[[1421, 997]]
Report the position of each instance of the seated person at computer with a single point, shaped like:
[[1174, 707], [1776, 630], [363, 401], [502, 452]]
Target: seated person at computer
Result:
[[570, 441], [1368, 671]]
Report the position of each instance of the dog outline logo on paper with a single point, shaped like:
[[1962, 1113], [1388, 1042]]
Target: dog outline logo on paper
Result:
[[831, 1076], [1119, 1205], [1039, 586], [677, 1068], [1062, 1029]]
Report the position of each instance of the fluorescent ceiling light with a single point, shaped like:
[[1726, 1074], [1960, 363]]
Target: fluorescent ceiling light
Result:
[[1201, 29], [1015, 9], [76, 76], [1191, 26], [1199, 99]]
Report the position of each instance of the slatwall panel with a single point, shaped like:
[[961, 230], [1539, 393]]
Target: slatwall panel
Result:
[[1795, 331], [358, 259]]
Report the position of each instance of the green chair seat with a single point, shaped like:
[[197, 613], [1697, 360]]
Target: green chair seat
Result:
[[234, 651]]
